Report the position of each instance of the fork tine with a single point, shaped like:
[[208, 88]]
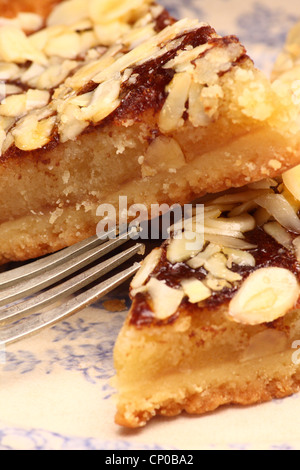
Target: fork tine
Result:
[[34, 267], [70, 286], [48, 276], [37, 322]]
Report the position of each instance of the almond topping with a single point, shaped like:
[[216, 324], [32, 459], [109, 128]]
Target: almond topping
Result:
[[171, 115], [291, 179], [165, 299], [195, 290], [216, 265], [32, 133], [187, 245], [148, 266], [267, 294], [16, 47]]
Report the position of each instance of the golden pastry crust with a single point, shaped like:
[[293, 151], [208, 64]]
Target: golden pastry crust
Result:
[[80, 104]]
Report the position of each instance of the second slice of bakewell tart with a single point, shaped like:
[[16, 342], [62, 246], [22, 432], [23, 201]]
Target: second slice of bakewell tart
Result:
[[215, 314], [103, 99]]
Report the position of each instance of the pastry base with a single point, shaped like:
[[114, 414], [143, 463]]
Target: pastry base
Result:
[[200, 362]]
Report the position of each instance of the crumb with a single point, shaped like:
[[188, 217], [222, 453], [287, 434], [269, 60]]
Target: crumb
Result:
[[115, 305]]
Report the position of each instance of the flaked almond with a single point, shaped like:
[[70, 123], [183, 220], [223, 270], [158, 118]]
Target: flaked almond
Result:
[[185, 246], [66, 45], [170, 149], [291, 180], [282, 211], [230, 242], [67, 13], [239, 257], [242, 223], [165, 299], [13, 106], [280, 234], [199, 260], [148, 266], [16, 47], [217, 266], [107, 11], [195, 290], [104, 101], [9, 71], [267, 294], [31, 134], [110, 33], [171, 115], [197, 115], [88, 71]]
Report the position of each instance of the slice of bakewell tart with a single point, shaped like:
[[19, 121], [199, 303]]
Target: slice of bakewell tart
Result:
[[103, 99], [215, 310]]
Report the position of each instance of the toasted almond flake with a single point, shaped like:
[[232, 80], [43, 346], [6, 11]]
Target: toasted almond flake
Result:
[[187, 245], [216, 265], [136, 36], [16, 47], [66, 45], [241, 223], [148, 266], [8, 142], [39, 39], [30, 21], [242, 208], [112, 10], [183, 60], [31, 133], [88, 71], [230, 242], [105, 100], [14, 105], [36, 99], [195, 290], [111, 33], [280, 234], [217, 285], [171, 115], [9, 71], [291, 180], [165, 300], [199, 260], [281, 210], [267, 294], [53, 75], [68, 12], [197, 115], [239, 257]]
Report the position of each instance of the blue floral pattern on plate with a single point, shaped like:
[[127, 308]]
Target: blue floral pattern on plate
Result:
[[56, 390]]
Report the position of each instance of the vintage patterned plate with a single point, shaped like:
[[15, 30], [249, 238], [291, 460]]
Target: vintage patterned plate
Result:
[[55, 388]]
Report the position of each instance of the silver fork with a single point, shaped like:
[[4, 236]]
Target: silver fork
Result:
[[26, 291]]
